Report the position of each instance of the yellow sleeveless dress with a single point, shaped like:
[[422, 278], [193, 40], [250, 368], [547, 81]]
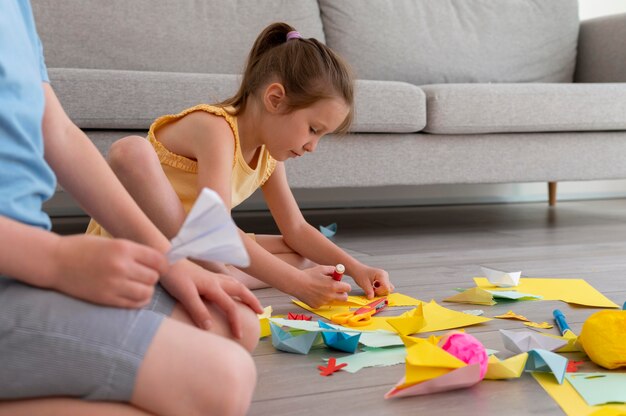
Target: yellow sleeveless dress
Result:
[[182, 172]]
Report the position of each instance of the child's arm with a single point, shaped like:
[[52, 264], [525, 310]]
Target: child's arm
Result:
[[104, 271], [310, 243], [210, 141], [84, 173]]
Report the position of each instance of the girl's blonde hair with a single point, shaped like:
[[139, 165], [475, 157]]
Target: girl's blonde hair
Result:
[[308, 70]]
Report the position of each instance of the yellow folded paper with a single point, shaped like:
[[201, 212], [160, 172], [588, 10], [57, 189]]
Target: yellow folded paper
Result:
[[425, 361], [264, 321], [435, 318], [512, 315], [474, 296], [512, 367]]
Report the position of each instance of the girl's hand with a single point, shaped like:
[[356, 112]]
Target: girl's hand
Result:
[[112, 272], [374, 282], [190, 284], [317, 287]]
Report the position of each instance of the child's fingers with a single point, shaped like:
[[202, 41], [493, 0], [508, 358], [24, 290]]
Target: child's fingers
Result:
[[220, 298], [245, 295]]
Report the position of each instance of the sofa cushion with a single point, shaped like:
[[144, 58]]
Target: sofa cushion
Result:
[[517, 108], [455, 41], [111, 99], [198, 36]]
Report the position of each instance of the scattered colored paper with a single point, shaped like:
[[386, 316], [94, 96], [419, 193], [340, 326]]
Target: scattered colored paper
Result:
[[475, 312], [342, 341], [513, 295], [572, 366], [576, 291], [512, 367], [480, 296], [375, 339], [298, 344], [457, 379], [474, 296], [331, 368], [570, 338], [298, 317], [209, 234], [374, 357], [430, 369], [393, 299], [524, 341], [544, 361], [264, 321], [512, 315], [436, 317], [540, 325], [329, 230], [501, 278], [571, 402], [432, 317], [599, 388]]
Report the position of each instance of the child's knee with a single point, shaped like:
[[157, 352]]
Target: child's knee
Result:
[[251, 328], [128, 151], [234, 381]]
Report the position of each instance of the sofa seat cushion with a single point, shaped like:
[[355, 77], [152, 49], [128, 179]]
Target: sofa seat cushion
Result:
[[518, 108], [112, 99], [388, 107]]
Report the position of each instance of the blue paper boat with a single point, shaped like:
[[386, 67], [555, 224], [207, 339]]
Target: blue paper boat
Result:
[[298, 344], [339, 340]]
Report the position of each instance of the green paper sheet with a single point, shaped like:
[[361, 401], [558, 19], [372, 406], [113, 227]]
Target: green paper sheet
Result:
[[599, 388]]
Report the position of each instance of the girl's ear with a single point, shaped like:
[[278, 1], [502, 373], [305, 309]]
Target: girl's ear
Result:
[[275, 98]]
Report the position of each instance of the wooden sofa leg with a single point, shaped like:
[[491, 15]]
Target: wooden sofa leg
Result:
[[552, 193]]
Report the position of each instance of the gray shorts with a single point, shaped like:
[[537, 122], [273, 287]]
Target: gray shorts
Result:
[[55, 345]]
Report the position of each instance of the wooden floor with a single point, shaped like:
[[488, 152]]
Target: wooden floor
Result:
[[428, 252]]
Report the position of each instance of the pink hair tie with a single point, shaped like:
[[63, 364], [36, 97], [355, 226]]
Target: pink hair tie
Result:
[[294, 34]]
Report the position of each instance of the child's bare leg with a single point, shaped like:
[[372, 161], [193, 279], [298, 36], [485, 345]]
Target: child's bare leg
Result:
[[187, 371], [276, 245], [178, 375], [249, 320], [137, 166], [61, 406]]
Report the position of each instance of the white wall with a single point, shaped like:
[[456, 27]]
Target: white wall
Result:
[[594, 8]]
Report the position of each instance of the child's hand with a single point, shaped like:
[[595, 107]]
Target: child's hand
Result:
[[374, 282], [112, 272], [190, 284], [318, 288]]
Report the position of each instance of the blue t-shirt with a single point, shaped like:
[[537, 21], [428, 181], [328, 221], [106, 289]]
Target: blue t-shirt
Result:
[[26, 180]]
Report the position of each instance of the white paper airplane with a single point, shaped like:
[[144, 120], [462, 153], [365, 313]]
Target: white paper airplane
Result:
[[209, 234]]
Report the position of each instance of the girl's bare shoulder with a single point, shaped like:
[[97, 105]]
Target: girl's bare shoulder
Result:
[[198, 129]]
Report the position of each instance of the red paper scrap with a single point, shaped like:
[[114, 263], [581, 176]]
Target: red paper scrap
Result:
[[331, 368]]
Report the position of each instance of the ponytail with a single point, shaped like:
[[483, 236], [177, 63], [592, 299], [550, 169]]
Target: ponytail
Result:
[[308, 70]]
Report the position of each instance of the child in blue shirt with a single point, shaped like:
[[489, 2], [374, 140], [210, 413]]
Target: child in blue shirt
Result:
[[83, 316]]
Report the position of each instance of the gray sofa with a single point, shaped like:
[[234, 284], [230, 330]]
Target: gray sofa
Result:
[[448, 91]]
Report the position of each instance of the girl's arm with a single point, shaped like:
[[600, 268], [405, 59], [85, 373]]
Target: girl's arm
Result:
[[310, 243], [210, 141], [84, 173]]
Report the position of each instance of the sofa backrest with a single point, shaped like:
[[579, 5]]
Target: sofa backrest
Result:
[[199, 36], [455, 41]]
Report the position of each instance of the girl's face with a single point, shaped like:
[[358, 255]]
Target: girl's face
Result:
[[299, 131]]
